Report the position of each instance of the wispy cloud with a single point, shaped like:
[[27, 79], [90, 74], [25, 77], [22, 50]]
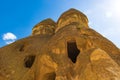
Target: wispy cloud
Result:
[[9, 37]]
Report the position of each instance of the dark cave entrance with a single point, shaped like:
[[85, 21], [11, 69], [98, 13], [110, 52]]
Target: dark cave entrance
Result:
[[29, 60], [72, 50]]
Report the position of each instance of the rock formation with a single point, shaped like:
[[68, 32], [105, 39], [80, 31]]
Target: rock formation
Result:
[[45, 27], [66, 50], [72, 16]]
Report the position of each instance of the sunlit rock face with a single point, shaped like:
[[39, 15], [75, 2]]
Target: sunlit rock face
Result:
[[66, 50], [45, 27], [96, 65], [72, 16]]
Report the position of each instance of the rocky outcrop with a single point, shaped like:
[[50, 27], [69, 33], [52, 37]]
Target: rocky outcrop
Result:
[[45, 27], [98, 65], [66, 50], [72, 16]]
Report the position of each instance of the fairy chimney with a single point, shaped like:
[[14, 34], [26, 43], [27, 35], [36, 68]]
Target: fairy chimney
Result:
[[66, 50]]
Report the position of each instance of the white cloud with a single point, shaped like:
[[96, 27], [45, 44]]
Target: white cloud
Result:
[[9, 42], [9, 37]]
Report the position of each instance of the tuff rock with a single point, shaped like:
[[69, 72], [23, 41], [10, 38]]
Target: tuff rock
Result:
[[66, 50]]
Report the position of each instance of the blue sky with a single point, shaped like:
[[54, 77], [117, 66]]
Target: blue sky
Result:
[[18, 17]]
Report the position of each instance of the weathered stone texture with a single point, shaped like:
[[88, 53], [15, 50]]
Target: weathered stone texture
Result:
[[72, 16], [45, 27], [66, 50]]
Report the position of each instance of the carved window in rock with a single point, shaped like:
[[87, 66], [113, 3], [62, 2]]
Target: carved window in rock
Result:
[[29, 60], [72, 50]]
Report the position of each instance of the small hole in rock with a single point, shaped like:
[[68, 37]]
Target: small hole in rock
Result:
[[21, 48], [29, 60], [72, 50]]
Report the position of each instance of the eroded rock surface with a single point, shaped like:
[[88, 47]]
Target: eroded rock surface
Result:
[[45, 27], [72, 16], [66, 50], [98, 65]]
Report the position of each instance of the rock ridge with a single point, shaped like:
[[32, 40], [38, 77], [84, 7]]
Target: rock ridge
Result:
[[68, 17]]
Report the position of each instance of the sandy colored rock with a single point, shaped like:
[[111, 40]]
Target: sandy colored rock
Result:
[[66, 50], [98, 65], [2, 78], [44, 27], [72, 16], [104, 66]]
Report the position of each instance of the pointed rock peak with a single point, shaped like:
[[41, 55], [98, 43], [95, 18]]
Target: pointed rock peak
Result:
[[46, 26], [72, 16]]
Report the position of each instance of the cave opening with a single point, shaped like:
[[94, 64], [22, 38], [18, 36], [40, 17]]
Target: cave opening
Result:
[[72, 50], [29, 60]]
